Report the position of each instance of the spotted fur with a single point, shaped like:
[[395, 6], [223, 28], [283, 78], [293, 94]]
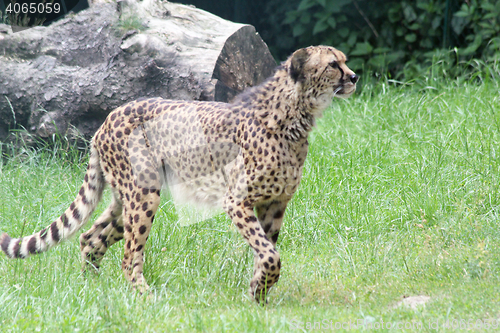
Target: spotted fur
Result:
[[246, 156]]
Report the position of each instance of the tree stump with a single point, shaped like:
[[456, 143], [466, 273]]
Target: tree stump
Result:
[[71, 74]]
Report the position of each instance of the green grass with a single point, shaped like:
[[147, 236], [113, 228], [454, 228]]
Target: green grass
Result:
[[400, 197]]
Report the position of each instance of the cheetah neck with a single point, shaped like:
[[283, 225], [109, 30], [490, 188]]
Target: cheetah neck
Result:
[[281, 105]]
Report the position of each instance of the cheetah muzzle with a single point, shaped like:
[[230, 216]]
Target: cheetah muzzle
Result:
[[246, 157]]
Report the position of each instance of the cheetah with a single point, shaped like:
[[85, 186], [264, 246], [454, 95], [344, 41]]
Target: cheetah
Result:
[[246, 156]]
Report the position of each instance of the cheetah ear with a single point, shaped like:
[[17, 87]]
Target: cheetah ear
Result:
[[298, 60]]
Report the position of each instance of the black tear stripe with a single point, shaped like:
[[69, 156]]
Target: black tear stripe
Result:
[[342, 76]]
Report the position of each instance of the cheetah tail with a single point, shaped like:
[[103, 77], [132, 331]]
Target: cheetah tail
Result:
[[68, 223]]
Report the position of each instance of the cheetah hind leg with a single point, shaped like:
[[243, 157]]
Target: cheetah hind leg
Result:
[[107, 230], [138, 216]]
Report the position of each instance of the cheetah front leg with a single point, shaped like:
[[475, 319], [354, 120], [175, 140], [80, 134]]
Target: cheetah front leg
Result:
[[270, 216], [267, 260]]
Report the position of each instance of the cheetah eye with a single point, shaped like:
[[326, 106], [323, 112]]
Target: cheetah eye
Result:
[[334, 65]]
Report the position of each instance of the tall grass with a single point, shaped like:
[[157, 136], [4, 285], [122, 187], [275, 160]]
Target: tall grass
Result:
[[399, 198]]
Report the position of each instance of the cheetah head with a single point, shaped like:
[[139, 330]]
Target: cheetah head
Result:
[[321, 74]]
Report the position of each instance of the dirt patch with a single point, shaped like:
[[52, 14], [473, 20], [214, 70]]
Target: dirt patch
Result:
[[413, 302]]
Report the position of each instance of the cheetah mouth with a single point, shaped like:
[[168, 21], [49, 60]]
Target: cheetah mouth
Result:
[[344, 90]]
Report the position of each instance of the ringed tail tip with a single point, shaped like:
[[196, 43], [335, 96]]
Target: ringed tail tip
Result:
[[4, 243]]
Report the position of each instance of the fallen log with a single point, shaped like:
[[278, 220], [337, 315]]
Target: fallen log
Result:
[[67, 77]]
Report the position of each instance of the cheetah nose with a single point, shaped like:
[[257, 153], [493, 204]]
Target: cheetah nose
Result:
[[354, 78]]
